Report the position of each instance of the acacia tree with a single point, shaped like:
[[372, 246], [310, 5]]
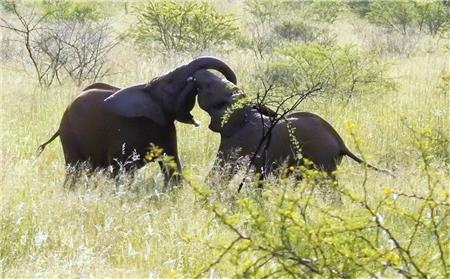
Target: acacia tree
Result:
[[276, 107], [287, 231], [26, 28], [344, 71], [182, 26], [59, 44], [404, 16], [85, 47], [434, 15], [398, 15], [260, 26]]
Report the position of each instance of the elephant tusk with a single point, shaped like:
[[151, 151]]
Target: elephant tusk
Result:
[[194, 122]]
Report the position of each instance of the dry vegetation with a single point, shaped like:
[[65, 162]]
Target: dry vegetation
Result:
[[133, 229]]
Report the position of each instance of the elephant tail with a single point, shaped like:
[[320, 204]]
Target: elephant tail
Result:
[[361, 161], [42, 146]]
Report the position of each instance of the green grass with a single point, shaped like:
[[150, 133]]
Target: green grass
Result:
[[100, 229]]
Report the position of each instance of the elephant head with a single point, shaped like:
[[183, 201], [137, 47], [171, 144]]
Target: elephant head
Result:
[[216, 95], [168, 97]]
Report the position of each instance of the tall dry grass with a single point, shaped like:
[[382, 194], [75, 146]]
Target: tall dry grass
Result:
[[134, 229]]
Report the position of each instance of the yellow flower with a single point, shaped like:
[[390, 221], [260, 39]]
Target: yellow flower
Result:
[[388, 191], [350, 125], [393, 258], [291, 168]]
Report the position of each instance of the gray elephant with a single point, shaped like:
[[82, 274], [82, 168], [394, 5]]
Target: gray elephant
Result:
[[242, 131], [106, 126]]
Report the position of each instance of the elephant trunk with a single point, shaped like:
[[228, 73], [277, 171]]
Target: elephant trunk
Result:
[[208, 62], [186, 98]]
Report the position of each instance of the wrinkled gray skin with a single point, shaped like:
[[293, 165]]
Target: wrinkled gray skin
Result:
[[105, 125], [241, 134]]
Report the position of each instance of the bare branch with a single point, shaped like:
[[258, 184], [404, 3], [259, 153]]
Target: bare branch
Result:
[[264, 143]]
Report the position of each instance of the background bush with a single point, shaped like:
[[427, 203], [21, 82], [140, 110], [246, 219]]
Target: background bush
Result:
[[390, 227], [291, 231], [183, 26], [404, 16], [301, 31], [270, 22], [72, 11], [259, 24], [341, 71], [61, 39]]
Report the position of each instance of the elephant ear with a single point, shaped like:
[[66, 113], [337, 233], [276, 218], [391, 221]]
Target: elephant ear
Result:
[[185, 103], [135, 101]]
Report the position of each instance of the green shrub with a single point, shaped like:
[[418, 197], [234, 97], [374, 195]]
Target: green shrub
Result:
[[268, 23], [361, 8], [72, 11], [289, 231], [342, 71], [384, 44], [402, 16], [325, 11], [259, 24], [433, 139], [301, 31], [434, 16], [183, 26], [396, 15], [61, 39], [263, 10]]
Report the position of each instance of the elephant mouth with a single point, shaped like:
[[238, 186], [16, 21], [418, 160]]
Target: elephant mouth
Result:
[[215, 127], [188, 119], [194, 122]]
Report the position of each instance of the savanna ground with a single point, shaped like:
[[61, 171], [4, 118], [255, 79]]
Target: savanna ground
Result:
[[134, 229]]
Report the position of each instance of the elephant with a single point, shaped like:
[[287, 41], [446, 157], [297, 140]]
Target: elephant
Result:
[[109, 127], [101, 86], [242, 132]]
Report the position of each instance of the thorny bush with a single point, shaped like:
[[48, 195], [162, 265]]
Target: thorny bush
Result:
[[61, 39], [291, 231], [182, 26], [342, 71]]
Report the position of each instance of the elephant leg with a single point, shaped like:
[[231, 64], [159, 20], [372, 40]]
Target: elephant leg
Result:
[[263, 169], [329, 186], [222, 170], [116, 167], [260, 182], [73, 157], [122, 159], [72, 174], [172, 173]]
